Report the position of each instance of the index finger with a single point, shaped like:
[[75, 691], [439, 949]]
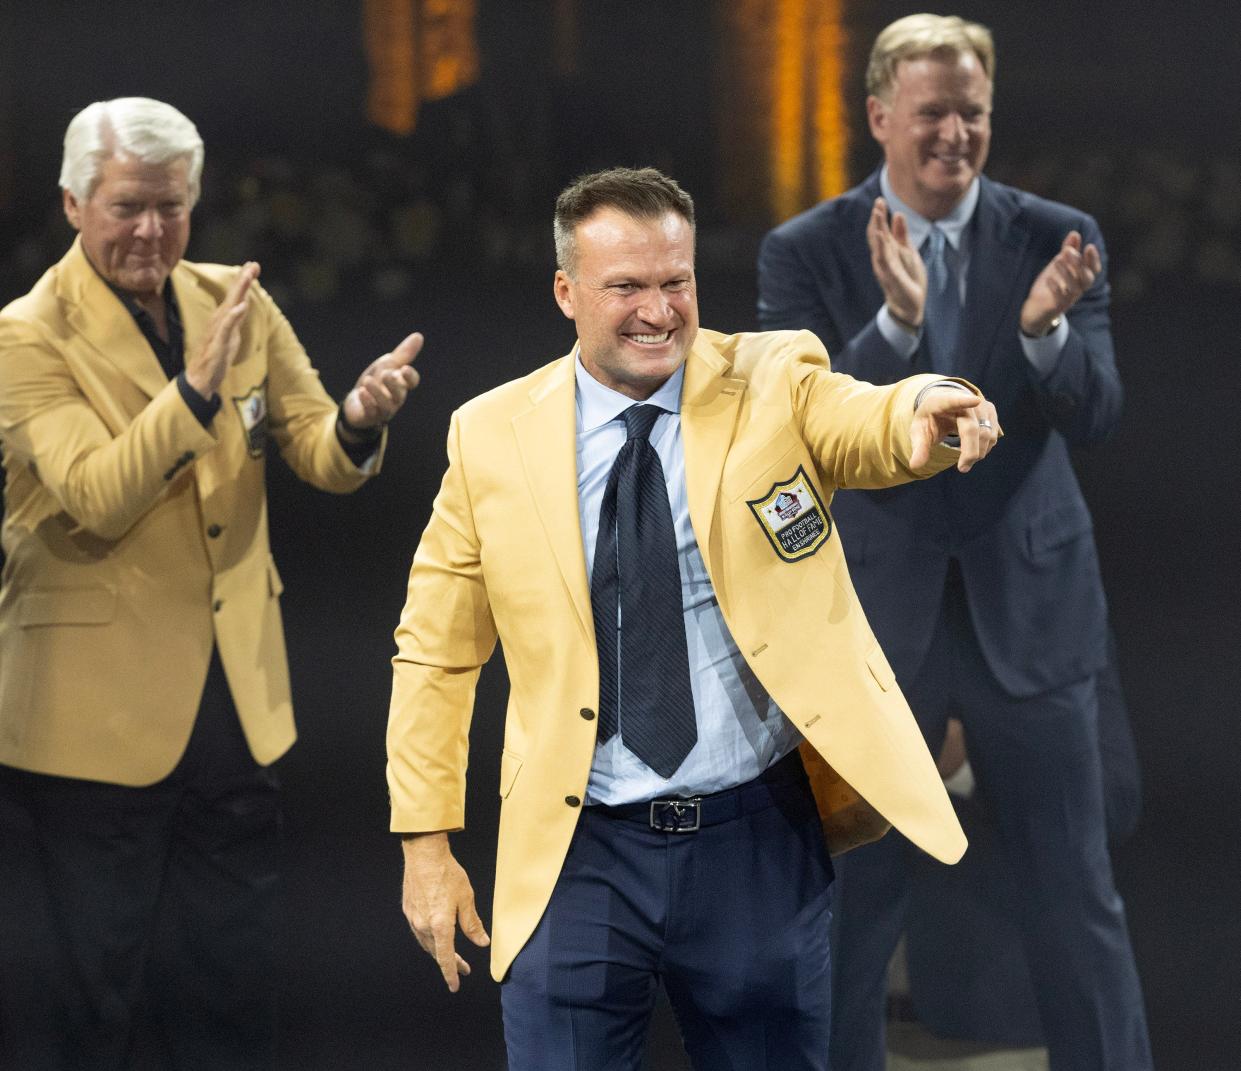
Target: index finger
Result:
[[900, 228], [945, 400], [878, 222], [245, 278], [444, 937]]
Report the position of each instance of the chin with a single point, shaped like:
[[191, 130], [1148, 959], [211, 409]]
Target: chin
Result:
[[143, 282]]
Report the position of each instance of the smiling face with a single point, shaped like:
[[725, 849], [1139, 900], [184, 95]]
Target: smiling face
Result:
[[632, 297], [136, 223], [935, 130]]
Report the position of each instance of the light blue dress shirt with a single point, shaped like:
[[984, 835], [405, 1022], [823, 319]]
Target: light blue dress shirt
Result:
[[741, 731], [1042, 353]]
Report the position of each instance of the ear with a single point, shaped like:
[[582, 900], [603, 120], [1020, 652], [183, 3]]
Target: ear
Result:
[[73, 210], [877, 117], [562, 288]]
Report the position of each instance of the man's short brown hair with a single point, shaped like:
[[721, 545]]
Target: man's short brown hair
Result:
[[642, 193]]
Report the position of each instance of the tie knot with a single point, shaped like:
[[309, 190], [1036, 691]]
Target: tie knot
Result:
[[639, 419], [934, 245]]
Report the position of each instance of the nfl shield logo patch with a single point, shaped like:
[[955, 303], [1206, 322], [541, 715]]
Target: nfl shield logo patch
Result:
[[252, 409], [793, 517]]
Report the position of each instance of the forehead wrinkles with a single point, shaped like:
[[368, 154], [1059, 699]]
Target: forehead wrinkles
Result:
[[131, 175]]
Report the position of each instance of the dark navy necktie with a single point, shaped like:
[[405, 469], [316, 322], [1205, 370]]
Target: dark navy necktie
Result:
[[643, 669], [943, 302]]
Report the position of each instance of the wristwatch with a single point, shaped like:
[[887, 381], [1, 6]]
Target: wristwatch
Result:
[[1050, 328]]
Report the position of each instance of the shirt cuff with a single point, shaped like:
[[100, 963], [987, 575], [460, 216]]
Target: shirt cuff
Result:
[[953, 441], [363, 450], [1043, 353], [900, 338], [204, 409], [940, 383]]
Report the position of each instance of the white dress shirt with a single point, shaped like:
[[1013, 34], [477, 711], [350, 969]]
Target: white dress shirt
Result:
[[741, 731]]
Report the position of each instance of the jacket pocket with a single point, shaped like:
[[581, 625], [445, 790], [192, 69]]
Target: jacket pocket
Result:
[[67, 606], [1057, 526], [510, 767]]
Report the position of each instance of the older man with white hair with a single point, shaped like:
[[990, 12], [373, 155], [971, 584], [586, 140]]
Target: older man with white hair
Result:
[[144, 688]]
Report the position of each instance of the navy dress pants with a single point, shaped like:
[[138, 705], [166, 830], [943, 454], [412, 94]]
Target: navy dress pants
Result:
[[155, 903], [733, 920], [1037, 765]]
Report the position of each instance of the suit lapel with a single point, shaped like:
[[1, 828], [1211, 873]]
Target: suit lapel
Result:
[[103, 326], [546, 435], [710, 402], [994, 276]]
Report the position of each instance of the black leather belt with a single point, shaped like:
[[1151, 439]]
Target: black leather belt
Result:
[[688, 814]]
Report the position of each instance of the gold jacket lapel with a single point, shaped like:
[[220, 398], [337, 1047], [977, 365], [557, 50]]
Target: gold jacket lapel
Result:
[[545, 437], [103, 326], [710, 402]]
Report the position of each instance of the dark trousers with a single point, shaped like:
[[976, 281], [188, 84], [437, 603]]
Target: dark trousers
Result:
[[732, 919], [1037, 765], [968, 975], [156, 900]]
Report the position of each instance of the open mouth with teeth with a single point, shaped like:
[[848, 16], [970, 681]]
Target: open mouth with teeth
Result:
[[651, 340]]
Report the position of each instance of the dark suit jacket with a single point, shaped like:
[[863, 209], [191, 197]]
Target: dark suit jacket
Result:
[[1018, 524]]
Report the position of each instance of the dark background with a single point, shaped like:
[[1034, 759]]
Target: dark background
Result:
[[1126, 110]]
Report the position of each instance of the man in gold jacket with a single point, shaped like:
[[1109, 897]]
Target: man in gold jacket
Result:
[[644, 840], [144, 688]]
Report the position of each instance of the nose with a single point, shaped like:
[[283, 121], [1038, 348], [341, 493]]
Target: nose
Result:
[[952, 128], [655, 308], [149, 226]]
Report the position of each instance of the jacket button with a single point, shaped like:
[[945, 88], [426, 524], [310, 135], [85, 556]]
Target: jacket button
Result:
[[217, 604], [573, 801], [214, 531], [587, 713]]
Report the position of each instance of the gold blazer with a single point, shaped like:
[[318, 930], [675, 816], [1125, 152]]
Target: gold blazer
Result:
[[502, 557], [135, 539]]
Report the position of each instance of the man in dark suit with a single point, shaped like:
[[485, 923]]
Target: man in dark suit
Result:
[[930, 266]]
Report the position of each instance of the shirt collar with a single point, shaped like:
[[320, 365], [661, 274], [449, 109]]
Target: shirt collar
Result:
[[598, 405], [953, 225], [131, 303]]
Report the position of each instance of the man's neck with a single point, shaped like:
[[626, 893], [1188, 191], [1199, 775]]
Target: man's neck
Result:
[[153, 304], [952, 220], [932, 209], [157, 308]]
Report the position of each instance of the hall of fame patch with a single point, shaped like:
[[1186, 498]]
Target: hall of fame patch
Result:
[[793, 517], [252, 409]]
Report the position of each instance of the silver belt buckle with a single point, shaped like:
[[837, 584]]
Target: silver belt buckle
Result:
[[676, 816]]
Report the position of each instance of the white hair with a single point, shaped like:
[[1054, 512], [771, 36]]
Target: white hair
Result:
[[152, 131]]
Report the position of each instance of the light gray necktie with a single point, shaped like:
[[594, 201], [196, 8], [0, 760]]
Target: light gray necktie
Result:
[[943, 302]]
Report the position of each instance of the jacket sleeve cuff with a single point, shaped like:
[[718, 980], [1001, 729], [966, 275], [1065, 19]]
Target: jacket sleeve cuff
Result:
[[204, 409]]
